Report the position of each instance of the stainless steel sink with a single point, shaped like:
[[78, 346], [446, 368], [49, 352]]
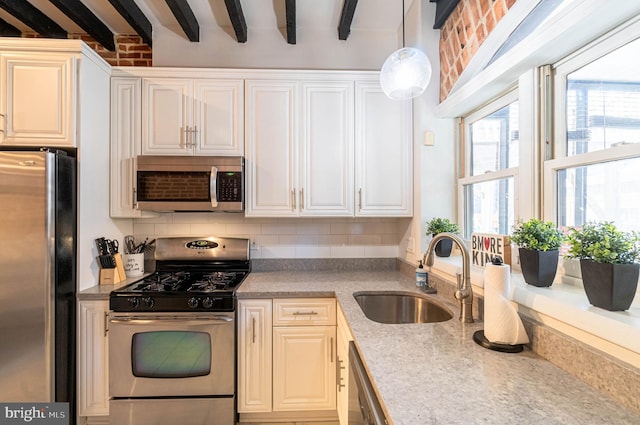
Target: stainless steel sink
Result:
[[401, 307]]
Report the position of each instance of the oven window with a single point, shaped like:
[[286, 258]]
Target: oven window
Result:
[[171, 354], [173, 186]]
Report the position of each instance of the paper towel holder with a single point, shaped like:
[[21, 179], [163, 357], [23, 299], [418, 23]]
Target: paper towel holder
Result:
[[480, 339]]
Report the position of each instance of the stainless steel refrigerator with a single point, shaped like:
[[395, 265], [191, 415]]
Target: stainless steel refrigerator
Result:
[[37, 276]]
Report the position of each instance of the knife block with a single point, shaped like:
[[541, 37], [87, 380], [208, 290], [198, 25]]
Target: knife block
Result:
[[112, 275]]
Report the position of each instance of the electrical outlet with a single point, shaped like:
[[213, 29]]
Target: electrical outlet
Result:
[[254, 246], [411, 245]]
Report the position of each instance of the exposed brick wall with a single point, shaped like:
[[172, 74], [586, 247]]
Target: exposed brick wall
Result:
[[463, 33], [130, 49]]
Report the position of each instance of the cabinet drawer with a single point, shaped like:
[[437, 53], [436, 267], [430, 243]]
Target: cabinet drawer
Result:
[[304, 311]]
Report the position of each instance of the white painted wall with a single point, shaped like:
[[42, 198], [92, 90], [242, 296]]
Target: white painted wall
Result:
[[93, 168]]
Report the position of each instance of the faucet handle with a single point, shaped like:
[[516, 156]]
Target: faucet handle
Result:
[[459, 280]]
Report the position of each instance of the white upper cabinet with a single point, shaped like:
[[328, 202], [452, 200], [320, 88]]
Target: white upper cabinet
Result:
[[326, 149], [192, 116], [219, 117], [300, 164], [384, 160], [271, 131], [348, 153], [38, 99]]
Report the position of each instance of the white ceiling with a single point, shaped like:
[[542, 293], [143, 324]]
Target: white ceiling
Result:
[[370, 15]]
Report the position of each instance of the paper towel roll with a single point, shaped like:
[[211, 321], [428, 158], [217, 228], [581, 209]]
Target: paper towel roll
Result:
[[502, 325]]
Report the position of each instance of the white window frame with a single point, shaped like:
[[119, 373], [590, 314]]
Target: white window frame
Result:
[[561, 161], [525, 97]]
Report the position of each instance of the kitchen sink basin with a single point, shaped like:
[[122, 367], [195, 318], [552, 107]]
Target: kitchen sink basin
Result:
[[401, 307]]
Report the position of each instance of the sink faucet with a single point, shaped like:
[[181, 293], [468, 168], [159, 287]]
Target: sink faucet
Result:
[[464, 293]]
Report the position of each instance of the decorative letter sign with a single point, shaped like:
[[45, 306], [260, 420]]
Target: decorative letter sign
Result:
[[486, 246]]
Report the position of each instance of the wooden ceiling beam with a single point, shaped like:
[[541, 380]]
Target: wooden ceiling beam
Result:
[[290, 11], [443, 10], [346, 17], [185, 17], [85, 19], [131, 13], [8, 30], [33, 18], [234, 8]]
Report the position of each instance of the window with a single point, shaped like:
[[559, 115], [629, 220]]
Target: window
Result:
[[491, 166], [594, 176]]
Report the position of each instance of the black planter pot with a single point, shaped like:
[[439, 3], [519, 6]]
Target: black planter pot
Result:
[[538, 267], [443, 248], [610, 286]]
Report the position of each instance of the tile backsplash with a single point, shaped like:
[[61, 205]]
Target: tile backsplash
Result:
[[286, 237]]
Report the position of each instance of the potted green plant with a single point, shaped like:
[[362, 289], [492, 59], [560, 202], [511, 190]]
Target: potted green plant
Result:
[[538, 243], [442, 225], [608, 262]]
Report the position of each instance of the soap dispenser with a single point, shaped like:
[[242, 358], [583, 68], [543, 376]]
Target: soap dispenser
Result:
[[421, 276]]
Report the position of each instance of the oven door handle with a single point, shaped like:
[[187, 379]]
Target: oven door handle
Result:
[[163, 320], [213, 187]]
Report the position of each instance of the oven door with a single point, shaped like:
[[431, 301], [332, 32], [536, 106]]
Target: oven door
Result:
[[171, 354]]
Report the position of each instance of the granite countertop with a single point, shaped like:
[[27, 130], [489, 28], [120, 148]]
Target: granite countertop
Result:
[[435, 373]]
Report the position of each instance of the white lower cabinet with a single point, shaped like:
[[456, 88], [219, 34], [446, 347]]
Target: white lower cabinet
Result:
[[254, 355], [304, 368], [286, 356], [93, 358]]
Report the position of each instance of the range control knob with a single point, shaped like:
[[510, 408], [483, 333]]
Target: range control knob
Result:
[[192, 302], [133, 302], [207, 303], [148, 302]]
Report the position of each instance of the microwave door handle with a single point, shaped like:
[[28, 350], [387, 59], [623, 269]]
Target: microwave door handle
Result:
[[213, 187]]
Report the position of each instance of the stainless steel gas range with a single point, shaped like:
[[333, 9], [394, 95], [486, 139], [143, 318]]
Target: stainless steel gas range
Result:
[[172, 335]]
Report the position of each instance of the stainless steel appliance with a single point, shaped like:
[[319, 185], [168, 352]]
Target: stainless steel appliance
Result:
[[190, 183], [37, 276], [364, 407], [172, 335]]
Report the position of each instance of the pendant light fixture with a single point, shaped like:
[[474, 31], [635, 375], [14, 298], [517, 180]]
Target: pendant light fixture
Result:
[[406, 72]]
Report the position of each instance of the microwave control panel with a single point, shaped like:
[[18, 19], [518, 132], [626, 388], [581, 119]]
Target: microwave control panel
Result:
[[230, 186]]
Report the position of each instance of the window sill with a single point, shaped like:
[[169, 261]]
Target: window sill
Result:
[[565, 308]]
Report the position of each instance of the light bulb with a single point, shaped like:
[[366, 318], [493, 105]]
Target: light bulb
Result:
[[405, 74]]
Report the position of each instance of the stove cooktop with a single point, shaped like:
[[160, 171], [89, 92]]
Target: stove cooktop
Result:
[[179, 291], [199, 275]]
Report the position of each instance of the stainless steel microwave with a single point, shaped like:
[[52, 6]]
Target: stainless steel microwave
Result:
[[190, 183]]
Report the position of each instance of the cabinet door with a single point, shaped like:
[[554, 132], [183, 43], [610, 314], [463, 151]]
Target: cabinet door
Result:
[[167, 105], [296, 385], [254, 356], [219, 117], [125, 145], [38, 99], [93, 359], [270, 128], [384, 164], [326, 150]]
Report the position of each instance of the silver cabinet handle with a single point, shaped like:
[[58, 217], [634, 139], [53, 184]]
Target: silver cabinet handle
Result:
[[293, 199], [305, 313], [194, 135], [360, 199], [187, 132], [302, 198], [106, 323], [213, 187], [253, 330], [3, 116], [339, 377]]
